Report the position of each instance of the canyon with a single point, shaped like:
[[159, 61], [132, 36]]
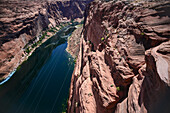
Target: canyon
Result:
[[124, 58], [24, 22], [121, 53]]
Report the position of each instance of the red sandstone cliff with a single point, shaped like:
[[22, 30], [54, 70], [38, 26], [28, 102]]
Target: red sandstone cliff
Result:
[[124, 59], [21, 21]]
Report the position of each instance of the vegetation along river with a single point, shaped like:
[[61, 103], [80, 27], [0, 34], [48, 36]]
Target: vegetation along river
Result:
[[41, 85]]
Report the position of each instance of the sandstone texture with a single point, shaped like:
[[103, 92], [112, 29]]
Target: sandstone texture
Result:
[[73, 46], [124, 59], [23, 21]]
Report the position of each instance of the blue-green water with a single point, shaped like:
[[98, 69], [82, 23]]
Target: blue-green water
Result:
[[42, 83]]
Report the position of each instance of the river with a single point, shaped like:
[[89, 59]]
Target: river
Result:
[[42, 83]]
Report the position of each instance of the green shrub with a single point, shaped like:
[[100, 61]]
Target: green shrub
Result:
[[102, 39], [35, 44], [89, 42], [64, 105], [142, 33], [41, 39], [38, 42], [82, 22], [51, 30], [118, 88], [107, 36], [75, 60], [111, 85], [90, 94], [43, 36], [55, 28], [27, 50], [32, 46], [19, 67]]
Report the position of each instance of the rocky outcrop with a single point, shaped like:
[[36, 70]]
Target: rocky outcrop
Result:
[[73, 46], [22, 21], [123, 63]]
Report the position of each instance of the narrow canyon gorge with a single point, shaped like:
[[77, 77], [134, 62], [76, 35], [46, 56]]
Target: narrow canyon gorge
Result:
[[119, 49]]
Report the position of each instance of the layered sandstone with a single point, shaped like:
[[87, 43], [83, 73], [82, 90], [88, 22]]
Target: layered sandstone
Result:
[[22, 21], [124, 59]]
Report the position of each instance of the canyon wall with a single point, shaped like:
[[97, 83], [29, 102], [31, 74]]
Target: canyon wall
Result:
[[22, 21], [124, 59]]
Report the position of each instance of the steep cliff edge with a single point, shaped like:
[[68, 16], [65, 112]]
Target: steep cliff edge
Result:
[[124, 59], [22, 22]]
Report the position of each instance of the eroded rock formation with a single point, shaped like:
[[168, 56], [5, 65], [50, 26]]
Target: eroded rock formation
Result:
[[23, 21], [124, 59], [73, 46]]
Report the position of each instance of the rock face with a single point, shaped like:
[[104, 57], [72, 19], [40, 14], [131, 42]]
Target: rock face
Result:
[[124, 59], [68, 9], [73, 46], [21, 21]]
